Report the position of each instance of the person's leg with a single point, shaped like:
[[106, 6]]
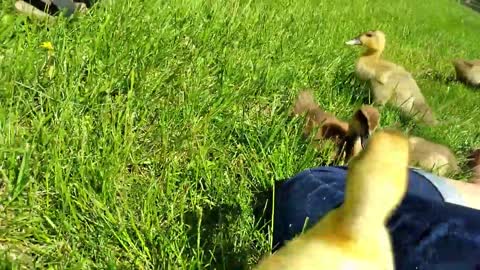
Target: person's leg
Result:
[[455, 191], [330, 180], [313, 192], [30, 10], [470, 192], [449, 192], [81, 7], [45, 9], [67, 5], [427, 232], [433, 235]]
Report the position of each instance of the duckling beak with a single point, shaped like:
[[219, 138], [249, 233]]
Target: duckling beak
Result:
[[364, 140], [355, 41]]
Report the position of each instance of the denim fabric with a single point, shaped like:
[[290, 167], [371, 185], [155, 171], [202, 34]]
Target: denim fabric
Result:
[[449, 193], [427, 233]]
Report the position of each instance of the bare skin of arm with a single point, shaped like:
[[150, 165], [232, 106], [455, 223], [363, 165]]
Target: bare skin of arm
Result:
[[470, 192]]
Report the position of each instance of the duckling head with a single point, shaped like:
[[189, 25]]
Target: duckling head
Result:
[[373, 40], [361, 127], [365, 122]]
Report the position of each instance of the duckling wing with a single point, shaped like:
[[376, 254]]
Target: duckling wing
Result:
[[402, 91], [399, 85], [378, 69], [392, 67], [407, 85]]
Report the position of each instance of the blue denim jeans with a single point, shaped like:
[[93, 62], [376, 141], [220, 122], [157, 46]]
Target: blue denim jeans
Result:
[[427, 231]]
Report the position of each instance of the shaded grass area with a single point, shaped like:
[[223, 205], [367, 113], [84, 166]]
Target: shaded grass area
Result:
[[473, 4], [143, 140]]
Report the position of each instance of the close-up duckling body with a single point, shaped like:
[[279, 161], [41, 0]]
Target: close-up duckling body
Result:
[[354, 235], [390, 83], [467, 71]]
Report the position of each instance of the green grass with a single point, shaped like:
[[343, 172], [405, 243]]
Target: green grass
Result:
[[147, 144]]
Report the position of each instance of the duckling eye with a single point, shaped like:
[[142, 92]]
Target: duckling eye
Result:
[[369, 35]]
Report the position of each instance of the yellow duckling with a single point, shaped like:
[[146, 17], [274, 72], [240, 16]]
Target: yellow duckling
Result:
[[389, 82], [354, 236], [467, 71]]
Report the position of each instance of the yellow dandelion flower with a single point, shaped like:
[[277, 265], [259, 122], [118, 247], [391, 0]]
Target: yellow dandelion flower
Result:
[[47, 45]]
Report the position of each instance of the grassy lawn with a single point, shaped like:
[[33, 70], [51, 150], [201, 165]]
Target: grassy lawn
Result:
[[142, 140]]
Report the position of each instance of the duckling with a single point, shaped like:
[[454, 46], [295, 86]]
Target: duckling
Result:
[[390, 82], [467, 71], [362, 125], [432, 156], [354, 235], [330, 126], [424, 154]]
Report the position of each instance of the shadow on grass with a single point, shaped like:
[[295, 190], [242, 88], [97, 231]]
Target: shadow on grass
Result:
[[473, 4], [263, 208], [358, 89], [215, 226], [438, 76], [447, 80]]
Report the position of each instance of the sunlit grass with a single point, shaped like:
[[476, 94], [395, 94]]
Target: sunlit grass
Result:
[[141, 137]]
